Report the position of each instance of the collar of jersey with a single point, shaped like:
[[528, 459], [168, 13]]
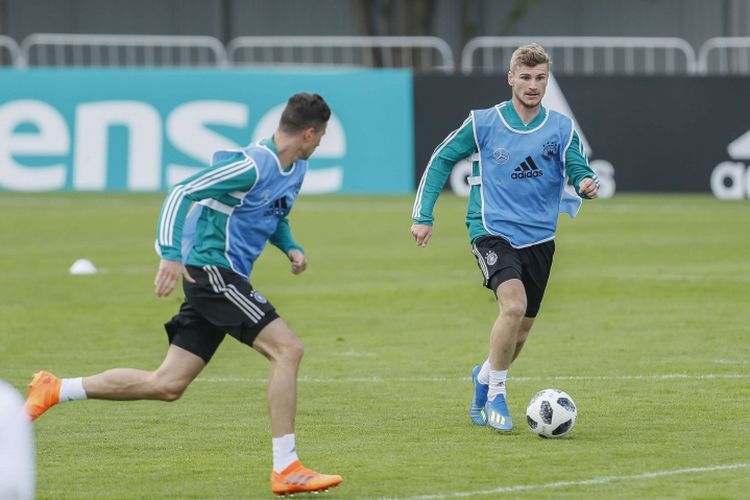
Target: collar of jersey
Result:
[[268, 142], [514, 121]]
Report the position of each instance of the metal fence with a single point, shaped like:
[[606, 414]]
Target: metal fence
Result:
[[586, 55], [9, 51], [570, 55], [725, 56], [422, 53], [49, 49]]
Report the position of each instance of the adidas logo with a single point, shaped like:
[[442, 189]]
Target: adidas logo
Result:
[[279, 208], [730, 180], [526, 170]]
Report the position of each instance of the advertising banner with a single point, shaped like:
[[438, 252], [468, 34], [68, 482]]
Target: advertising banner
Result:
[[649, 134], [143, 130]]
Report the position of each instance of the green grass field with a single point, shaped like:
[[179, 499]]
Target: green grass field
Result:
[[645, 323]]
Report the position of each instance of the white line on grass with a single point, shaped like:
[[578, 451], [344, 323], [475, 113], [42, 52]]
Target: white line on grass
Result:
[[732, 362], [681, 277], [379, 380], [356, 354], [586, 482]]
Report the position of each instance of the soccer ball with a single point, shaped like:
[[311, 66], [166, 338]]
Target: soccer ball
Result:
[[551, 413]]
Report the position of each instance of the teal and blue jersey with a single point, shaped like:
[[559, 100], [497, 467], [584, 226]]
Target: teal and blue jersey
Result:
[[519, 172], [225, 214]]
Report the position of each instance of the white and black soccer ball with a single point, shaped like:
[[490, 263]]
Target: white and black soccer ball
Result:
[[551, 413]]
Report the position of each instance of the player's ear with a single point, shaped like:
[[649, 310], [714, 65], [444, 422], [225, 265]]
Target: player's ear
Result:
[[510, 78], [308, 133]]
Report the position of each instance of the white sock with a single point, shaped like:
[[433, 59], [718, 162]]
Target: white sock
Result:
[[497, 383], [72, 389], [484, 373], [284, 452]]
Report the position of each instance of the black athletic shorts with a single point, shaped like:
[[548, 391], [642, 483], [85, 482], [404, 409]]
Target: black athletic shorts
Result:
[[219, 302], [500, 262]]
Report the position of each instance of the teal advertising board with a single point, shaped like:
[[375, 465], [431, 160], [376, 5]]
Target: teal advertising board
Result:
[[143, 130]]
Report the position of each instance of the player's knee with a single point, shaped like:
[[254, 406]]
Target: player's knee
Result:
[[172, 392], [168, 390], [293, 350], [513, 309]]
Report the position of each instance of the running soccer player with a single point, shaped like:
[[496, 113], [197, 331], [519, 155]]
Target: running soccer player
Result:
[[522, 154], [241, 201]]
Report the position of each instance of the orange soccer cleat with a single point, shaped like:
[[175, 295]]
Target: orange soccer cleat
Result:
[[44, 393], [299, 479]]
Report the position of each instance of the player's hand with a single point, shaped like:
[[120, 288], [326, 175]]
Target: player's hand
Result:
[[298, 260], [168, 275], [589, 187], [421, 233]]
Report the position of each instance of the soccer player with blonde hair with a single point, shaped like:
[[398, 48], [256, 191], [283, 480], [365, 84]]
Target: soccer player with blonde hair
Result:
[[523, 155]]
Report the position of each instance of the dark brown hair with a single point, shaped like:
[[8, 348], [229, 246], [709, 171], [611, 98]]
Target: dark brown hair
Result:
[[304, 111]]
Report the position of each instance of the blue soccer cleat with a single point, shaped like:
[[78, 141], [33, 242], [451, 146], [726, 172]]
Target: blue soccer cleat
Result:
[[498, 416], [476, 410]]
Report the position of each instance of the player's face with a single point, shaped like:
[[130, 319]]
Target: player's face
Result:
[[529, 84], [311, 141]]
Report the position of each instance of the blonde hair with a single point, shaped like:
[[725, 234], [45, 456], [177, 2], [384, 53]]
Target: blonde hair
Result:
[[529, 55]]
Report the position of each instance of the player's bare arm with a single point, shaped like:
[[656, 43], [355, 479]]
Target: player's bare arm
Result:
[[298, 260], [421, 233], [168, 275], [589, 187]]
